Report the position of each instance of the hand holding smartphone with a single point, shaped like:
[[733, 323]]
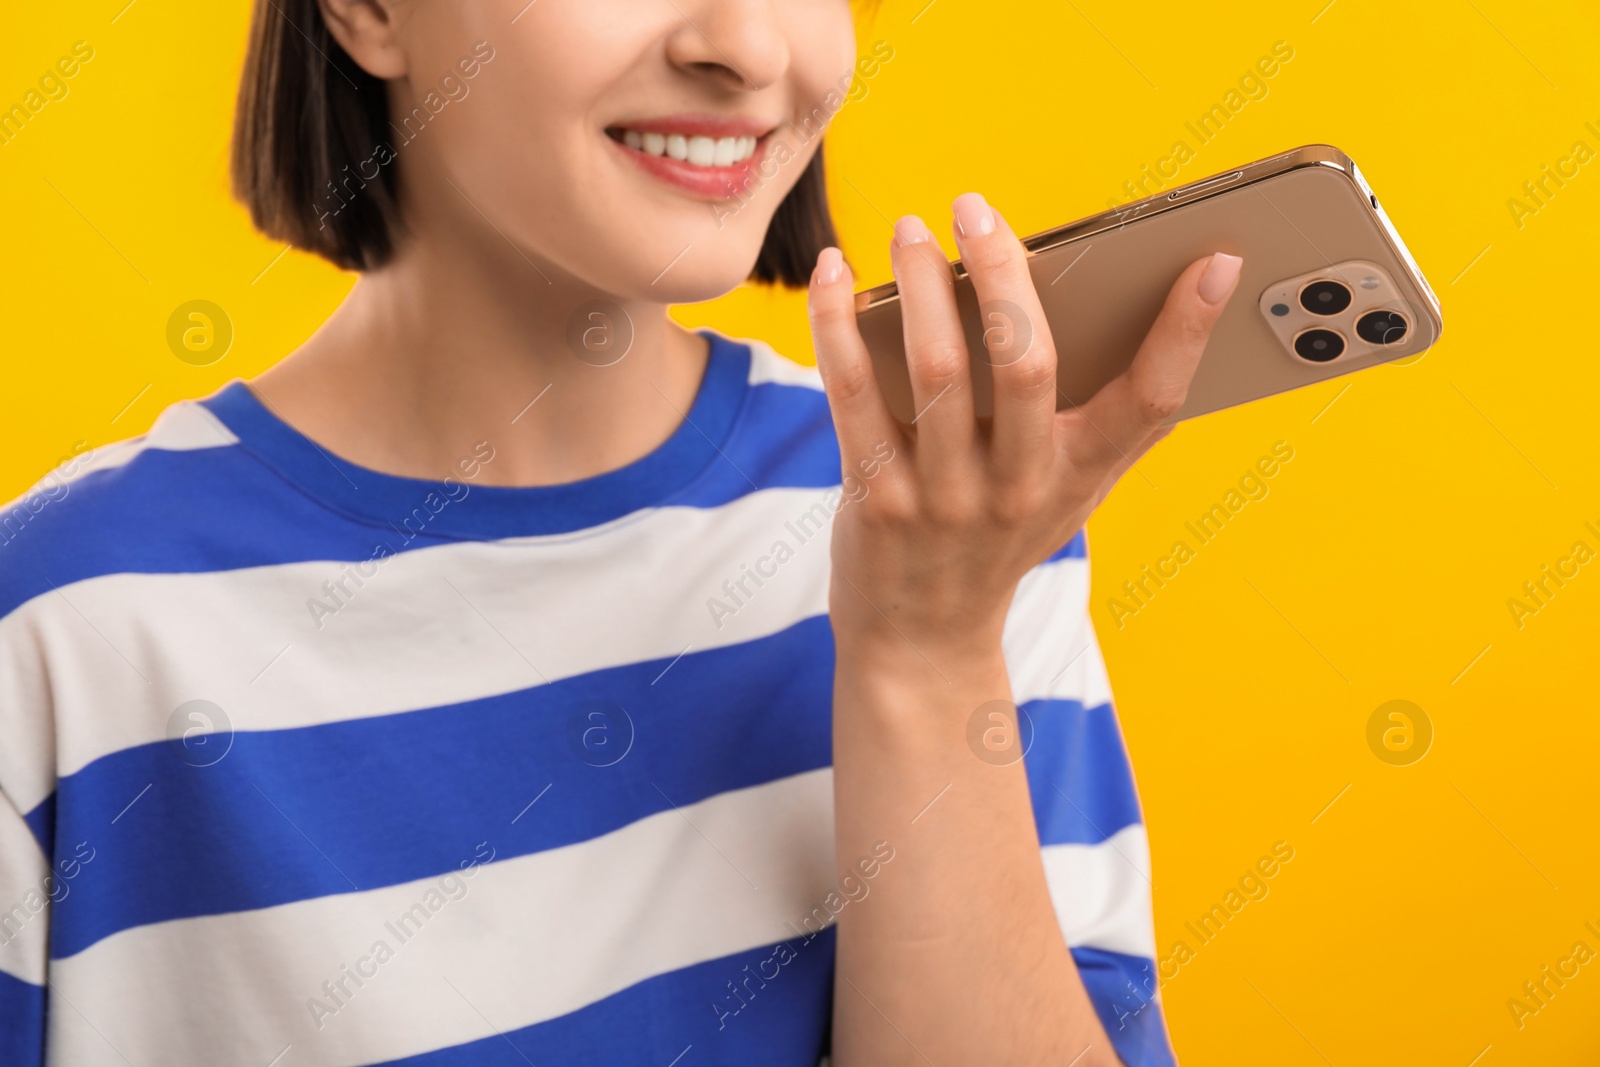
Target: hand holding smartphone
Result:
[[973, 500]]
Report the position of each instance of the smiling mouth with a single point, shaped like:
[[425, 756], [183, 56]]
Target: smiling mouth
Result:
[[709, 157], [695, 150]]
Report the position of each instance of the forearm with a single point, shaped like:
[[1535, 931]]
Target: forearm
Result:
[[956, 956]]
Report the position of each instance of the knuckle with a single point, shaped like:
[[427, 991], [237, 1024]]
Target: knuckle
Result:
[[1191, 326], [1033, 377], [892, 504], [991, 254], [1159, 401], [848, 383], [938, 362], [1017, 502], [830, 312]]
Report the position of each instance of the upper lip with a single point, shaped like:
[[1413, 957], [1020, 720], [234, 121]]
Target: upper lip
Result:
[[698, 124]]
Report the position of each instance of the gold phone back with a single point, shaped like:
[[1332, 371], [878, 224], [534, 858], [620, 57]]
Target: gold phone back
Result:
[[1102, 290]]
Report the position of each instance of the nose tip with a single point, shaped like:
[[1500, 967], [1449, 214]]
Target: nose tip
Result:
[[739, 44]]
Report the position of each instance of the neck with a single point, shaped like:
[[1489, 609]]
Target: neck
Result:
[[461, 339]]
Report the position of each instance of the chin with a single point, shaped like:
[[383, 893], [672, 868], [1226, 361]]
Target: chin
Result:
[[706, 281], [653, 252], [663, 273]]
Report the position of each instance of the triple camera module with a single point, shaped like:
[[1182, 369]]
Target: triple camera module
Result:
[[1343, 308]]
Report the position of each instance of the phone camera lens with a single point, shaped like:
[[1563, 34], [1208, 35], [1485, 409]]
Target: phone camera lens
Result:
[[1325, 298], [1319, 345], [1381, 327]]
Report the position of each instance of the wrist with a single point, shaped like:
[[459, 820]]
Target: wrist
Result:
[[893, 655], [913, 681], [889, 631]]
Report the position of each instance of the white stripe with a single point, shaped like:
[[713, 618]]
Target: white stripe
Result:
[[767, 366], [1049, 640], [25, 890], [437, 626], [527, 939], [1102, 892]]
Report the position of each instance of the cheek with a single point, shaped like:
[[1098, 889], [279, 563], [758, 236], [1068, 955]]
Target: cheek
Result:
[[822, 53], [524, 144]]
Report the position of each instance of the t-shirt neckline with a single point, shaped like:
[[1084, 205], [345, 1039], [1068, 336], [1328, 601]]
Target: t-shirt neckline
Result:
[[462, 509]]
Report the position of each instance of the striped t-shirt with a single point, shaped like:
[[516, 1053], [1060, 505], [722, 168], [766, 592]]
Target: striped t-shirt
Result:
[[302, 763]]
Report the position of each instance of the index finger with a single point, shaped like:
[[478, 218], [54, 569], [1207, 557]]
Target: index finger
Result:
[[860, 414]]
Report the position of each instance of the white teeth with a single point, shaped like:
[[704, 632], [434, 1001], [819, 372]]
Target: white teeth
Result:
[[698, 151]]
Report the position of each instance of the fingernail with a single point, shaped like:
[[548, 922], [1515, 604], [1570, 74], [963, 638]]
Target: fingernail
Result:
[[974, 217], [1220, 274], [911, 230], [829, 263]]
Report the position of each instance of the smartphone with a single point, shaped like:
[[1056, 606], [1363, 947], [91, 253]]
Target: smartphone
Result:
[[1328, 287]]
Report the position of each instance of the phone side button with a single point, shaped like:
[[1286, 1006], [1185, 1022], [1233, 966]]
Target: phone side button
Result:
[[1209, 183]]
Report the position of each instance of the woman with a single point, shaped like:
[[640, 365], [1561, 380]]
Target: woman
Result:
[[477, 685]]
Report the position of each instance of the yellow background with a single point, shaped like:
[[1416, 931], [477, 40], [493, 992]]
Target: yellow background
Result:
[[1378, 568]]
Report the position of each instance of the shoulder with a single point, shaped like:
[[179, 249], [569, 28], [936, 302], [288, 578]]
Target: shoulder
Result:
[[117, 506]]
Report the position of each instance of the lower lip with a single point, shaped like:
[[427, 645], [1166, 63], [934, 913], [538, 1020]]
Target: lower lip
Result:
[[711, 183]]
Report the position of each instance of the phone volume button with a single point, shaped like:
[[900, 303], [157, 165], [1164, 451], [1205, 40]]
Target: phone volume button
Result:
[[1209, 183]]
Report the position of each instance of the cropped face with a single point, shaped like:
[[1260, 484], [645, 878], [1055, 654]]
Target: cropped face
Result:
[[637, 146]]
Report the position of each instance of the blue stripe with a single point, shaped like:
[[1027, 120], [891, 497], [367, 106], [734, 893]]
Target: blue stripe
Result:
[[1121, 987], [42, 822], [324, 806], [1078, 773], [172, 512], [778, 1016], [1077, 548], [22, 1013]]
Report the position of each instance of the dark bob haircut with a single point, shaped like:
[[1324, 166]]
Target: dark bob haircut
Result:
[[307, 116]]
